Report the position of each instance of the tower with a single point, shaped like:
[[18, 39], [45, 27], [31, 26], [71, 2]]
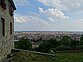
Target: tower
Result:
[[7, 8]]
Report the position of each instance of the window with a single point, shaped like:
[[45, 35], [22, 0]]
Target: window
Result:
[[10, 28], [3, 26], [3, 5]]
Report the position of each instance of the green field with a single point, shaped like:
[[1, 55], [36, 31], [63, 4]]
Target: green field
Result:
[[69, 57], [24, 56]]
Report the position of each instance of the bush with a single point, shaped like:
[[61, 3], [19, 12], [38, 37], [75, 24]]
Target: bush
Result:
[[23, 44], [81, 46], [47, 45]]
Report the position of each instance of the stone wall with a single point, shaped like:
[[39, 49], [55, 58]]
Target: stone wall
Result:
[[6, 42]]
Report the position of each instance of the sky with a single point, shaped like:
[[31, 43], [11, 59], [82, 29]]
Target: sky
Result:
[[48, 15]]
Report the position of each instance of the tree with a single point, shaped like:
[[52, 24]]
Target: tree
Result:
[[64, 43], [66, 40], [23, 44], [47, 45], [75, 44], [81, 42]]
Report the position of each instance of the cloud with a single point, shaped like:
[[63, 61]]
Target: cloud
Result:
[[21, 2], [33, 22], [33, 19], [69, 5], [53, 3], [20, 19], [54, 14], [73, 25], [51, 18]]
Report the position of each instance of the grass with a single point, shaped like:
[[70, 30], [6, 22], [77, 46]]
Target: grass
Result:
[[24, 56], [69, 57]]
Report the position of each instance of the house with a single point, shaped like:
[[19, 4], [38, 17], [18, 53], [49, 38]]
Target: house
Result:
[[7, 8]]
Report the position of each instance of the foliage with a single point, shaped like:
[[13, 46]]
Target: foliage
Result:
[[81, 40], [66, 40], [47, 45], [23, 44], [63, 47], [65, 43]]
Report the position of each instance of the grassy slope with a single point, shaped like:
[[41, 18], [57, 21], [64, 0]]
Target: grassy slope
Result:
[[24, 56], [69, 57]]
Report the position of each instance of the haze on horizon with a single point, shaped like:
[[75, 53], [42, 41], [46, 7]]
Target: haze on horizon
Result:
[[49, 15]]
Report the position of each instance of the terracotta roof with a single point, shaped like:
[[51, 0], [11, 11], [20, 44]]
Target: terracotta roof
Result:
[[12, 3]]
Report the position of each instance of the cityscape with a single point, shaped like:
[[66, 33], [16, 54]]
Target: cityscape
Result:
[[35, 36], [41, 30]]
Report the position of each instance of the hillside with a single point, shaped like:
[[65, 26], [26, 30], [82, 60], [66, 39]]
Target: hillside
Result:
[[27, 56]]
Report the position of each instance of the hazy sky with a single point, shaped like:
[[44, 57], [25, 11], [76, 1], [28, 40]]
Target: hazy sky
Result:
[[49, 15]]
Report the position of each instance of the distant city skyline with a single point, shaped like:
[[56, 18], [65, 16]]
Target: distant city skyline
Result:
[[48, 15]]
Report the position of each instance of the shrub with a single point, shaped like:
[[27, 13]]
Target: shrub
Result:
[[23, 44]]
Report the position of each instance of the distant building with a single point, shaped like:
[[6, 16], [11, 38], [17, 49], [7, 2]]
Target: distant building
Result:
[[7, 8], [35, 36]]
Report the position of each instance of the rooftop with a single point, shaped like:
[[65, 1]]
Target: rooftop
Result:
[[12, 3]]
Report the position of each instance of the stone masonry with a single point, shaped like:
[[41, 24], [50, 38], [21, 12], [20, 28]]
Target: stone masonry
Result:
[[6, 41]]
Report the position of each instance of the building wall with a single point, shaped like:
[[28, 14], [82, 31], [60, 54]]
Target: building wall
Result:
[[6, 42]]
